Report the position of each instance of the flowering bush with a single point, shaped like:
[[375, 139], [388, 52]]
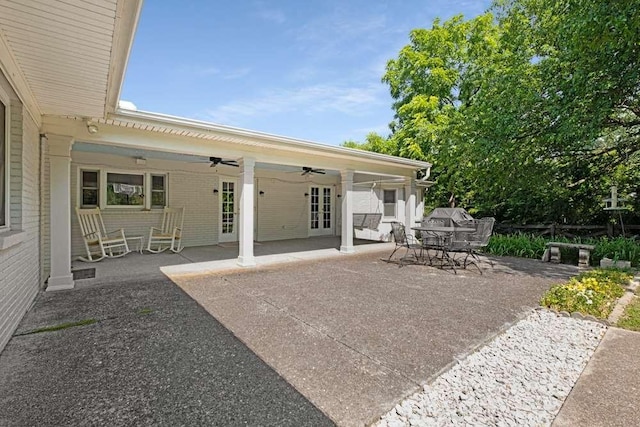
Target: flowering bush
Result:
[[594, 292]]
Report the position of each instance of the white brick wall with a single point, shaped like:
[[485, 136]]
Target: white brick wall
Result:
[[189, 186], [281, 213], [20, 276]]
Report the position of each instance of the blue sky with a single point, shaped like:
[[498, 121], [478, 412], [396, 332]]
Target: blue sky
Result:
[[308, 69]]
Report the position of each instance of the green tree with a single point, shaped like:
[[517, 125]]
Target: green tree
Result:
[[528, 113]]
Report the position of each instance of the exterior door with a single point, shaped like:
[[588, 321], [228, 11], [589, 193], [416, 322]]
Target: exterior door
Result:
[[228, 211], [320, 210]]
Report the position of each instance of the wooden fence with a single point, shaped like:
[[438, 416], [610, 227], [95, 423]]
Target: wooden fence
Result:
[[565, 230]]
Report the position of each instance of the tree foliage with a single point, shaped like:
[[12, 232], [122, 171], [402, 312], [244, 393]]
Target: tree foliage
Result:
[[528, 112]]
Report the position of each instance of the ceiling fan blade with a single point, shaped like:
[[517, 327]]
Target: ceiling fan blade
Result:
[[215, 161]]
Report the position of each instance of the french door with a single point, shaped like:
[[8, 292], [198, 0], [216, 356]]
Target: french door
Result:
[[320, 210], [228, 231]]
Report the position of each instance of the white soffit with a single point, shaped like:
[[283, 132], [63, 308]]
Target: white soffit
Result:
[[72, 53], [180, 126]]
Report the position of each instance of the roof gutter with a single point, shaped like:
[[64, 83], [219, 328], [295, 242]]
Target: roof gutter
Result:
[[126, 24]]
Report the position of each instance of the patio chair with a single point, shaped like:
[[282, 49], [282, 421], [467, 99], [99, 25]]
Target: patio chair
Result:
[[404, 240], [99, 242], [169, 235], [433, 240], [471, 243]]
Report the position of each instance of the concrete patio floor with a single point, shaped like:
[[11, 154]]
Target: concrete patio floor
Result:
[[215, 258], [356, 334]]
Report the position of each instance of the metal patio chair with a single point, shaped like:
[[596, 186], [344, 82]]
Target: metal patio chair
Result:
[[404, 240], [169, 235], [99, 242], [472, 243]]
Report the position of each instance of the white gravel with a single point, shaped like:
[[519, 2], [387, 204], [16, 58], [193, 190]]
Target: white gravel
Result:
[[521, 378]]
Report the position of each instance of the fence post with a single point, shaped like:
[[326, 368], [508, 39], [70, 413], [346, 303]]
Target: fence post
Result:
[[552, 229], [610, 229]]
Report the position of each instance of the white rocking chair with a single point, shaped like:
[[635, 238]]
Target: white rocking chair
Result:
[[169, 236], [98, 242]]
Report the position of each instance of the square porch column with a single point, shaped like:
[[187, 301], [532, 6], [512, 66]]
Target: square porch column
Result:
[[410, 205], [346, 245], [245, 229], [60, 212]]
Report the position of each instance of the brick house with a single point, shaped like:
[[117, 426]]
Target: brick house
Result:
[[65, 143]]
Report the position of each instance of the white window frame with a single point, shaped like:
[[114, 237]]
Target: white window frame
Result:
[[82, 187], [149, 190], [395, 204], [102, 187], [4, 98]]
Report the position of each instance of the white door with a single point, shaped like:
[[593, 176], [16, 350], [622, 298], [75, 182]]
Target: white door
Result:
[[320, 210], [228, 211]]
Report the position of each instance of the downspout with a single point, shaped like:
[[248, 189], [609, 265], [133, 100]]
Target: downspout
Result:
[[43, 147]]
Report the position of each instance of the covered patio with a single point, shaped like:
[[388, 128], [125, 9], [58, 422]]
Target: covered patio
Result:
[[240, 189]]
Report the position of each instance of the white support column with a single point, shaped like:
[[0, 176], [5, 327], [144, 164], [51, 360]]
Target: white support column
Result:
[[346, 245], [60, 212], [245, 229], [410, 205]]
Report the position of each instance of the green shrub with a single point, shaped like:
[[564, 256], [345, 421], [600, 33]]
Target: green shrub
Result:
[[530, 246], [520, 245], [594, 292], [618, 248]]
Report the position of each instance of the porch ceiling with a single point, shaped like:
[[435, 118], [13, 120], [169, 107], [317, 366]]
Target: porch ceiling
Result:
[[187, 158], [69, 56]]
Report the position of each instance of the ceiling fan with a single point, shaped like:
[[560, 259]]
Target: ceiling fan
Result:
[[306, 170], [215, 161]]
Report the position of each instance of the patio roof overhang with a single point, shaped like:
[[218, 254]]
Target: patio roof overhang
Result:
[[158, 132], [67, 57]]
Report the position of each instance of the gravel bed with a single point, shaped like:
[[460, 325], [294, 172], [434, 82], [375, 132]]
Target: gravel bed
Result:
[[521, 378]]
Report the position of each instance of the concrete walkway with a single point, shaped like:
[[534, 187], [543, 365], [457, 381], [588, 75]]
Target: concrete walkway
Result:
[[607, 392], [151, 357]]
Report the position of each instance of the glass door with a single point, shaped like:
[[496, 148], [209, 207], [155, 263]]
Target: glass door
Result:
[[320, 210], [228, 223]]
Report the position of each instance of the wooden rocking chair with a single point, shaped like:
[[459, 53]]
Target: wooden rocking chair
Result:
[[169, 236], [98, 241]]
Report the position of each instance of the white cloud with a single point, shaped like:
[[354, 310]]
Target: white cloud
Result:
[[198, 70], [236, 74], [340, 33], [272, 15], [352, 101]]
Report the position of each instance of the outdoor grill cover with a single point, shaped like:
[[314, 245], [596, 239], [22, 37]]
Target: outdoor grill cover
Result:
[[451, 216]]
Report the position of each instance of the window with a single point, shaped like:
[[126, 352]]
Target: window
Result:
[[121, 189], [90, 189], [389, 201], [158, 191], [4, 162], [125, 189]]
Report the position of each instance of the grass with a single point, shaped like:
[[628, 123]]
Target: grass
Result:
[[59, 327], [631, 317], [594, 292]]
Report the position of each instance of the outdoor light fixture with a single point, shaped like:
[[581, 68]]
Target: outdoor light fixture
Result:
[[306, 194], [92, 128], [261, 193], [215, 191]]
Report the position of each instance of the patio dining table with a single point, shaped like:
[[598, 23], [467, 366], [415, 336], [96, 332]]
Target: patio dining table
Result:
[[441, 236]]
